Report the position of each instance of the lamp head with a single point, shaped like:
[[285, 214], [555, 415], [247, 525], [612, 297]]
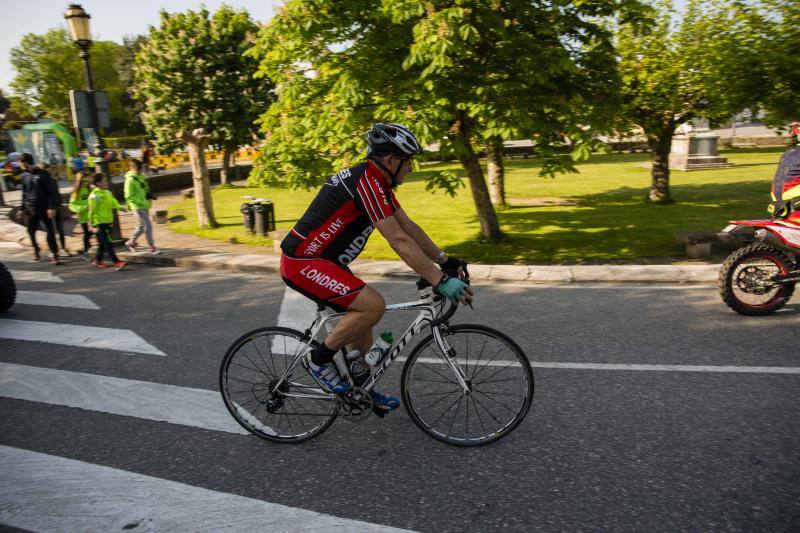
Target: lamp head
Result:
[[78, 24]]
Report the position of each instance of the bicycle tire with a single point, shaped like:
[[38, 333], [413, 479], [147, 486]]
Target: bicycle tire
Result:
[[260, 421], [730, 269], [412, 384]]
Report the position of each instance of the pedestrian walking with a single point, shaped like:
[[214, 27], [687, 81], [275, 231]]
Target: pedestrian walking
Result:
[[138, 198], [79, 204], [39, 202], [102, 205], [58, 219]]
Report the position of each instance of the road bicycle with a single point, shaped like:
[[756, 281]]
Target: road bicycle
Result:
[[465, 385]]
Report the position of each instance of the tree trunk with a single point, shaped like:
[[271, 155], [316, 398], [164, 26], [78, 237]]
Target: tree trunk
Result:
[[659, 157], [196, 142], [490, 229], [497, 185], [226, 165]]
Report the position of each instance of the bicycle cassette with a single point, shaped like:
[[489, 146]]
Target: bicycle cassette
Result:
[[355, 405]]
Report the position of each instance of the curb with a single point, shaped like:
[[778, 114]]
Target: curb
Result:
[[534, 274]]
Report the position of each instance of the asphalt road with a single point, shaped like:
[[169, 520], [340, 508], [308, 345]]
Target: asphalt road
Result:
[[601, 450]]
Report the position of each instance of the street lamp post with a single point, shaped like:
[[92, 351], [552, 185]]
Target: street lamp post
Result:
[[78, 24]]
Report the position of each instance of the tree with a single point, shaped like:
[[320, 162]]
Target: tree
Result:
[[5, 103], [678, 72], [192, 73], [773, 29], [460, 73], [197, 141], [48, 66]]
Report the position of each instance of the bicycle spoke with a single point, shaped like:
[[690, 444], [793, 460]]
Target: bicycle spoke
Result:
[[436, 381], [439, 393], [499, 380], [255, 365], [488, 362], [477, 413], [274, 373], [442, 375], [256, 370], [504, 406], [455, 414], [444, 398], [480, 355], [448, 409], [478, 402], [500, 370]]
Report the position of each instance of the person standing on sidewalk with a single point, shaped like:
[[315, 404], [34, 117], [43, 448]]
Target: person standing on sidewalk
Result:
[[101, 215], [39, 201], [79, 204], [138, 198]]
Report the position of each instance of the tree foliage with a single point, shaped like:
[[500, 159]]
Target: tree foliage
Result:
[[681, 70], [48, 66], [459, 73], [192, 73]]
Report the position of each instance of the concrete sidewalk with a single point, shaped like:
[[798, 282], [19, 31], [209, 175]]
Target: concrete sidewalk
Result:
[[197, 252]]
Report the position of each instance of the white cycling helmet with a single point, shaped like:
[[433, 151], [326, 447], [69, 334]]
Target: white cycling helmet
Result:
[[394, 139]]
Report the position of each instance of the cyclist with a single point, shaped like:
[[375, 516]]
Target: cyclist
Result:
[[334, 230]]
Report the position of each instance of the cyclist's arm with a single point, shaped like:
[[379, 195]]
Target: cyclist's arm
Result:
[[418, 234], [408, 249]]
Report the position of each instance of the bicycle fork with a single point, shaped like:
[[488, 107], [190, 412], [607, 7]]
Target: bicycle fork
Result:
[[449, 356]]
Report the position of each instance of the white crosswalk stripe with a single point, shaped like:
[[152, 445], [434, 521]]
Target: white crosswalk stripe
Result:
[[54, 299], [123, 340], [48, 493], [140, 399], [34, 275]]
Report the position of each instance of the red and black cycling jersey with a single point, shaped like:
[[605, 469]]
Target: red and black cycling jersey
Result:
[[339, 220]]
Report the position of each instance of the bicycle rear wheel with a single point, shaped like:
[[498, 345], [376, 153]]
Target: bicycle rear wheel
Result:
[[496, 370], [297, 410]]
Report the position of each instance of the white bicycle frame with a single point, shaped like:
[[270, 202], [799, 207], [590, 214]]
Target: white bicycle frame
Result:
[[427, 313]]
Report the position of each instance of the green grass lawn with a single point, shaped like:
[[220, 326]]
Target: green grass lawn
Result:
[[610, 221]]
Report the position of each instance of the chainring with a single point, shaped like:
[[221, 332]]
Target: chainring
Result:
[[355, 405]]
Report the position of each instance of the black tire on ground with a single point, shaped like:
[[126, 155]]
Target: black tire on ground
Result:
[[423, 381], [729, 270], [8, 289], [248, 371]]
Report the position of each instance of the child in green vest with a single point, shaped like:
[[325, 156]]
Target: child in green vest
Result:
[[101, 215], [79, 204]]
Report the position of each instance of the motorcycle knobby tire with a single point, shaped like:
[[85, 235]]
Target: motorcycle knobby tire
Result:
[[728, 270]]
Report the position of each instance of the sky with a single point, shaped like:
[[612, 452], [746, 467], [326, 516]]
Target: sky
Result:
[[111, 19]]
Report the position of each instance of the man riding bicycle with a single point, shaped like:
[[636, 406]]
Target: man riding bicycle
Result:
[[335, 229]]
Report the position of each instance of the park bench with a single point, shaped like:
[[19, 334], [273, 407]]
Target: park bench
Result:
[[698, 243]]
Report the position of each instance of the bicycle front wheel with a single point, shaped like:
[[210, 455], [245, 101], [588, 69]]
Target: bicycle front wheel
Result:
[[497, 373], [293, 411]]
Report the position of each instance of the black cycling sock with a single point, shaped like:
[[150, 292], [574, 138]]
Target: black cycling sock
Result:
[[322, 355]]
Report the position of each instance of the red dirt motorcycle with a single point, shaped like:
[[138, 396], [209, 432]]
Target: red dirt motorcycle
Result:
[[759, 278]]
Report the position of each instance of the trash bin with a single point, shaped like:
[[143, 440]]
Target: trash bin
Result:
[[247, 217], [263, 217]]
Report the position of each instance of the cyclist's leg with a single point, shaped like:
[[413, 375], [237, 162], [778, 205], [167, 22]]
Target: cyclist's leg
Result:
[[354, 330]]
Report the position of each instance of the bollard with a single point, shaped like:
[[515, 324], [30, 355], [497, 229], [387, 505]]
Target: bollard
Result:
[[248, 217]]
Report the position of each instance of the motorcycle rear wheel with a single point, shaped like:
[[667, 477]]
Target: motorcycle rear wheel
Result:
[[745, 271]]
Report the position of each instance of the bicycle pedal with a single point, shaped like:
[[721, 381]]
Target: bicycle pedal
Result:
[[380, 412]]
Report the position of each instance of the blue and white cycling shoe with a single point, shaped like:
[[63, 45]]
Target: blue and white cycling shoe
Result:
[[327, 376], [383, 402]]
